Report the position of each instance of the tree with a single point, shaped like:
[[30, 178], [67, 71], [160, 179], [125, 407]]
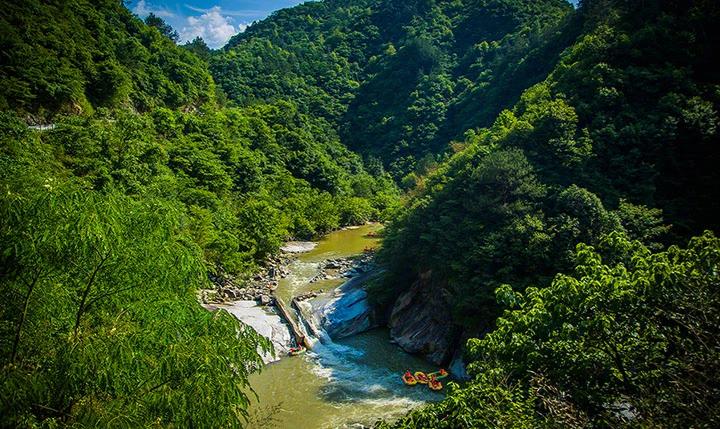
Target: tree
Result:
[[165, 29], [98, 332], [198, 47], [627, 340]]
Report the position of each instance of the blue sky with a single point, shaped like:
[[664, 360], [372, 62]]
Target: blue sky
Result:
[[213, 20]]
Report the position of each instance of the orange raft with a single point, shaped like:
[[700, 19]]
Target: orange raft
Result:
[[434, 384], [409, 379], [294, 351], [421, 377]]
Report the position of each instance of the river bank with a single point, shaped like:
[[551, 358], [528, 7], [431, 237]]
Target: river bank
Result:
[[341, 382]]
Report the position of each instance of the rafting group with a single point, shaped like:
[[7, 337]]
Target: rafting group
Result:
[[432, 379]]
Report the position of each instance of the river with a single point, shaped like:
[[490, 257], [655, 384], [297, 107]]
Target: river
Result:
[[355, 380]]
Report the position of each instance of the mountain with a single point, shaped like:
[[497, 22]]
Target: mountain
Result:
[[521, 130], [126, 186], [399, 80], [73, 57], [545, 236], [541, 170], [622, 126]]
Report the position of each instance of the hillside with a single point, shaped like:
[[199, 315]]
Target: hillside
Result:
[[115, 214], [609, 137], [541, 171], [399, 80], [534, 234], [64, 57]]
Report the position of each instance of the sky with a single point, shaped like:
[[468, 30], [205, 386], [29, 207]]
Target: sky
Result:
[[213, 20]]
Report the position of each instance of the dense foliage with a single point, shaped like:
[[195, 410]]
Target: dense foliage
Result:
[[100, 323], [619, 139], [73, 56], [113, 215], [532, 139], [398, 79], [629, 338], [611, 136]]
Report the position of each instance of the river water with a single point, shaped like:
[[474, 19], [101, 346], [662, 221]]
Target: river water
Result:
[[341, 383]]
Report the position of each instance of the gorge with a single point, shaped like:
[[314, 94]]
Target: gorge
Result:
[[523, 192], [350, 375]]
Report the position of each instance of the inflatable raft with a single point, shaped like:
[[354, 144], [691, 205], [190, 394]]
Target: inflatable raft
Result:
[[421, 377], [432, 379], [294, 351], [439, 374], [434, 384], [409, 379]]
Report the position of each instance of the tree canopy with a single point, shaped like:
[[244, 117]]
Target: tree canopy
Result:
[[539, 164], [627, 339]]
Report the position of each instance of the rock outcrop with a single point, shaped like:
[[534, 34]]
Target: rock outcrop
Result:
[[347, 311], [421, 322], [265, 322], [343, 267], [457, 366], [260, 287]]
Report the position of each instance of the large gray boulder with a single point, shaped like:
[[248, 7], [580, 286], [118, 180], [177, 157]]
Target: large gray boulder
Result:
[[265, 322], [347, 312], [421, 322]]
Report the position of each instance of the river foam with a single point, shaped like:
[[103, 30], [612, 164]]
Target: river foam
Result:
[[340, 383]]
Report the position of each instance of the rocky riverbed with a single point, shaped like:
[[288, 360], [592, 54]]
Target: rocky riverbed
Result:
[[266, 322], [261, 287], [419, 320], [252, 299], [335, 391], [344, 311]]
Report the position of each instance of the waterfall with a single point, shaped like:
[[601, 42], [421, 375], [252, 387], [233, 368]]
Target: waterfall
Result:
[[310, 323]]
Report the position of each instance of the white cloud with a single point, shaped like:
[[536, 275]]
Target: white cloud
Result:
[[245, 13], [143, 9], [214, 27]]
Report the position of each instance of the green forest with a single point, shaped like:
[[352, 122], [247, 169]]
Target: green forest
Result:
[[550, 171]]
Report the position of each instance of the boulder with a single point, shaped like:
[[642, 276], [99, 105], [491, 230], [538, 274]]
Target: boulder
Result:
[[421, 322], [332, 265], [348, 311], [457, 366], [266, 323]]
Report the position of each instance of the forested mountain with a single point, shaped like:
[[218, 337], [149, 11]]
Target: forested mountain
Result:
[[114, 213], [398, 79], [552, 161], [616, 149], [73, 57], [625, 123]]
